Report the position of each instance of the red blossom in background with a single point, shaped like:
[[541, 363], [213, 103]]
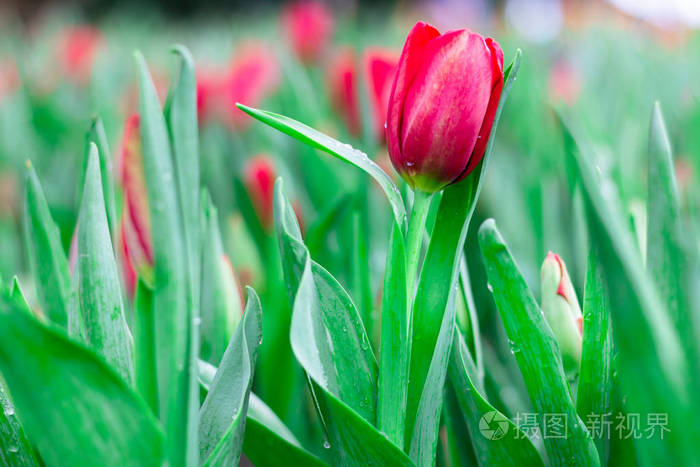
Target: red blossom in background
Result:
[[342, 84], [259, 179], [308, 26], [380, 69], [78, 48], [564, 83], [442, 105], [253, 75]]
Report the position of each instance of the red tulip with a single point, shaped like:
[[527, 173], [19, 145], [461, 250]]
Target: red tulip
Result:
[[308, 26], [135, 227], [342, 81], [380, 69], [9, 78], [442, 105], [564, 83], [259, 179], [78, 49]]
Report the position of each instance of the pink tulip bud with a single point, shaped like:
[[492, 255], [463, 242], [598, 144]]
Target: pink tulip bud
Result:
[[380, 69], [562, 311], [442, 105], [135, 227], [259, 179], [308, 26], [342, 83]]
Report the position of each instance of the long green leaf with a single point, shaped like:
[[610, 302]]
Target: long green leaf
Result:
[[537, 353], [653, 369], [170, 298], [437, 280], [73, 406], [496, 440], [98, 278], [667, 257], [48, 261], [595, 385], [318, 140], [394, 350], [223, 414], [96, 134], [181, 117]]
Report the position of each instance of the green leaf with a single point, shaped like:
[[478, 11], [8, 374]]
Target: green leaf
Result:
[[145, 374], [317, 232], [222, 416], [98, 278], [595, 385], [318, 140], [15, 448], [330, 343], [653, 369], [48, 261], [437, 281], [18, 297], [268, 442], [327, 335], [495, 439], [99, 420], [667, 257], [96, 134], [536, 351], [181, 117], [220, 302], [173, 334], [394, 350]]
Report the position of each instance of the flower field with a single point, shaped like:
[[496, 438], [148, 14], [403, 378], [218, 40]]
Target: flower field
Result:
[[308, 233]]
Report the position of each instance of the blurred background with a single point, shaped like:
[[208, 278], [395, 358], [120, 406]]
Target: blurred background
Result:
[[63, 63]]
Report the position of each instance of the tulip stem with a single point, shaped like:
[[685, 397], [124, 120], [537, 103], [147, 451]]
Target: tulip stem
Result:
[[414, 237]]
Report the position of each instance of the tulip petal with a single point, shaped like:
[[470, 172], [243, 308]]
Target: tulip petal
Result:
[[483, 138], [411, 57]]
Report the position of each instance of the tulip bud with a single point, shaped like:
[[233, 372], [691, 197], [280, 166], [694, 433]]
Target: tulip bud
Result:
[[562, 311], [380, 69], [135, 227], [442, 105], [259, 179], [308, 26], [342, 83]]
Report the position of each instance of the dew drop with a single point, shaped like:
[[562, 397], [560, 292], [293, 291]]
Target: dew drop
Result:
[[385, 125], [490, 287], [410, 164], [13, 449], [326, 444], [196, 321], [9, 410]]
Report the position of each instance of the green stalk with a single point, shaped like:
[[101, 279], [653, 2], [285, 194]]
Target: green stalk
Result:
[[414, 236]]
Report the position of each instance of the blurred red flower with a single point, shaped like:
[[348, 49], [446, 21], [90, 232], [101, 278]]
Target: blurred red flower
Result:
[[342, 84], [259, 179], [308, 26], [380, 69], [78, 48]]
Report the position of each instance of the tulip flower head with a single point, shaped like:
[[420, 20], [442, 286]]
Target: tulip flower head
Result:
[[259, 178], [442, 105], [135, 225], [562, 311], [308, 26], [342, 82], [380, 69]]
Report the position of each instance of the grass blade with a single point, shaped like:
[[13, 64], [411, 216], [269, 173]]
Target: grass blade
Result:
[[145, 373], [42, 366], [537, 353], [15, 448]]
